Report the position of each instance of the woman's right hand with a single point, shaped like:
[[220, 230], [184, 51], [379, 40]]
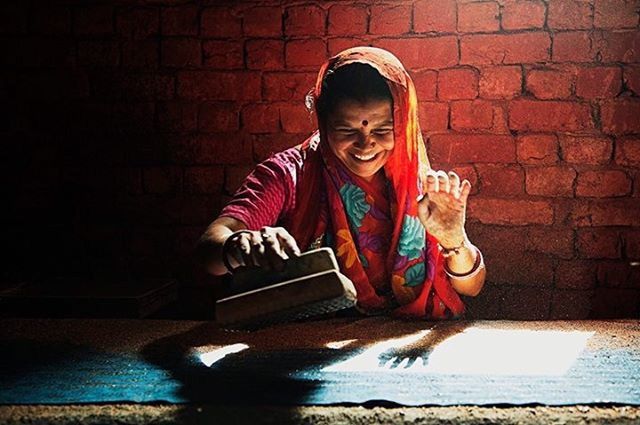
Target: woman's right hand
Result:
[[268, 247]]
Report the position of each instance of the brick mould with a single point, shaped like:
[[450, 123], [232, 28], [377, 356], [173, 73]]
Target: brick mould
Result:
[[128, 125]]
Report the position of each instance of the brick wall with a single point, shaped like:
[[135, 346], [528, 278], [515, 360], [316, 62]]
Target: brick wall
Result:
[[127, 125]]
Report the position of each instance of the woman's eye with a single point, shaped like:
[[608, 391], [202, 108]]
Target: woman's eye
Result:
[[382, 132]]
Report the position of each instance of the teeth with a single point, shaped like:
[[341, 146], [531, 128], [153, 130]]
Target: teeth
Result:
[[364, 158]]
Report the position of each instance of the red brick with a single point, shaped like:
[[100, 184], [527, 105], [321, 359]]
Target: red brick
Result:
[[523, 14], [606, 212], [614, 303], [162, 179], [461, 148], [598, 243], [576, 274], [537, 149], [209, 149], [181, 52], [552, 241], [304, 20], [138, 22], [262, 21], [501, 180], [505, 49], [616, 274], [141, 54], [525, 303], [586, 150], [220, 54], [628, 152], [265, 54], [621, 46], [550, 181], [220, 22], [549, 83], [569, 14], [296, 119], [260, 118], [525, 269], [287, 85], [179, 20], [471, 114], [434, 16], [110, 85], [177, 117], [631, 75], [203, 179], [93, 20], [510, 211], [459, 83], [98, 53], [235, 176], [478, 17], [603, 184], [534, 115], [425, 82], [571, 305], [50, 20], [390, 19], [219, 117], [337, 45], [265, 145], [305, 54], [433, 116], [631, 240], [219, 85], [620, 116], [430, 52], [347, 20], [500, 82], [593, 83], [572, 46], [615, 14]]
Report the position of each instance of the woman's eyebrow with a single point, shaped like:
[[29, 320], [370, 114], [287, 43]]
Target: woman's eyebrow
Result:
[[348, 124]]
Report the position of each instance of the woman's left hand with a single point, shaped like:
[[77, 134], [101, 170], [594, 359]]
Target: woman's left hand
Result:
[[442, 209]]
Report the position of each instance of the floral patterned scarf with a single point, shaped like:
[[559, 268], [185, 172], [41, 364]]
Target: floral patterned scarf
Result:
[[374, 228]]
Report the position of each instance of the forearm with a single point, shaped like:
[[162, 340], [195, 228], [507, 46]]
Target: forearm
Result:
[[463, 262]]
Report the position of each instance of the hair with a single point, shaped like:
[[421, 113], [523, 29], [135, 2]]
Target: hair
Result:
[[356, 81]]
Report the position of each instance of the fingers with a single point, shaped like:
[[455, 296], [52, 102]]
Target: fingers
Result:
[[442, 182], [465, 188], [268, 248], [454, 184]]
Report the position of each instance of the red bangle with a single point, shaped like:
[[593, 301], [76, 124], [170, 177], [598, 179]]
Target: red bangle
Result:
[[477, 265]]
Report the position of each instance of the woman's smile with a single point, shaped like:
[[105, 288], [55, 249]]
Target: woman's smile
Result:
[[361, 135]]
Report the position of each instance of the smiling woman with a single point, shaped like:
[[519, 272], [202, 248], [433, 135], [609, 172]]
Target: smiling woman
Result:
[[361, 184]]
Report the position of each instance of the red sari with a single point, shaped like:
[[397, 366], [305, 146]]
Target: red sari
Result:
[[374, 227]]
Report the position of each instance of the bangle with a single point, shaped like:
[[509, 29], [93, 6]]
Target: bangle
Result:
[[477, 266], [225, 249]]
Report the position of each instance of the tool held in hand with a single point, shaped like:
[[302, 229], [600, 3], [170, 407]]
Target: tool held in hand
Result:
[[309, 285]]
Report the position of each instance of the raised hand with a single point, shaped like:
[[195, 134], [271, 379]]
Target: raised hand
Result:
[[442, 208]]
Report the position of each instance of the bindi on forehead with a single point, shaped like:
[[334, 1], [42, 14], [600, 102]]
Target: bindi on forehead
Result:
[[365, 123]]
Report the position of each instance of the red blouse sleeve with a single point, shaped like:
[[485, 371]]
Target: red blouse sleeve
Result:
[[265, 195]]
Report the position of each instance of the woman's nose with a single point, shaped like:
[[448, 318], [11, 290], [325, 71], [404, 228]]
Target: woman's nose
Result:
[[365, 139]]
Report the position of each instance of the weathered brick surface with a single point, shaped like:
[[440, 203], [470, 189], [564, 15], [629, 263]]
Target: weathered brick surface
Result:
[[136, 122]]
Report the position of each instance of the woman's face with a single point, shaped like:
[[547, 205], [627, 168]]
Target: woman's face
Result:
[[361, 135]]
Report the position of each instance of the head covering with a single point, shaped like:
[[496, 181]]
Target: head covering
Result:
[[355, 214]]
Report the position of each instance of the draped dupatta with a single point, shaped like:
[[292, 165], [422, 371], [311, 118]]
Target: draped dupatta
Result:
[[380, 243]]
